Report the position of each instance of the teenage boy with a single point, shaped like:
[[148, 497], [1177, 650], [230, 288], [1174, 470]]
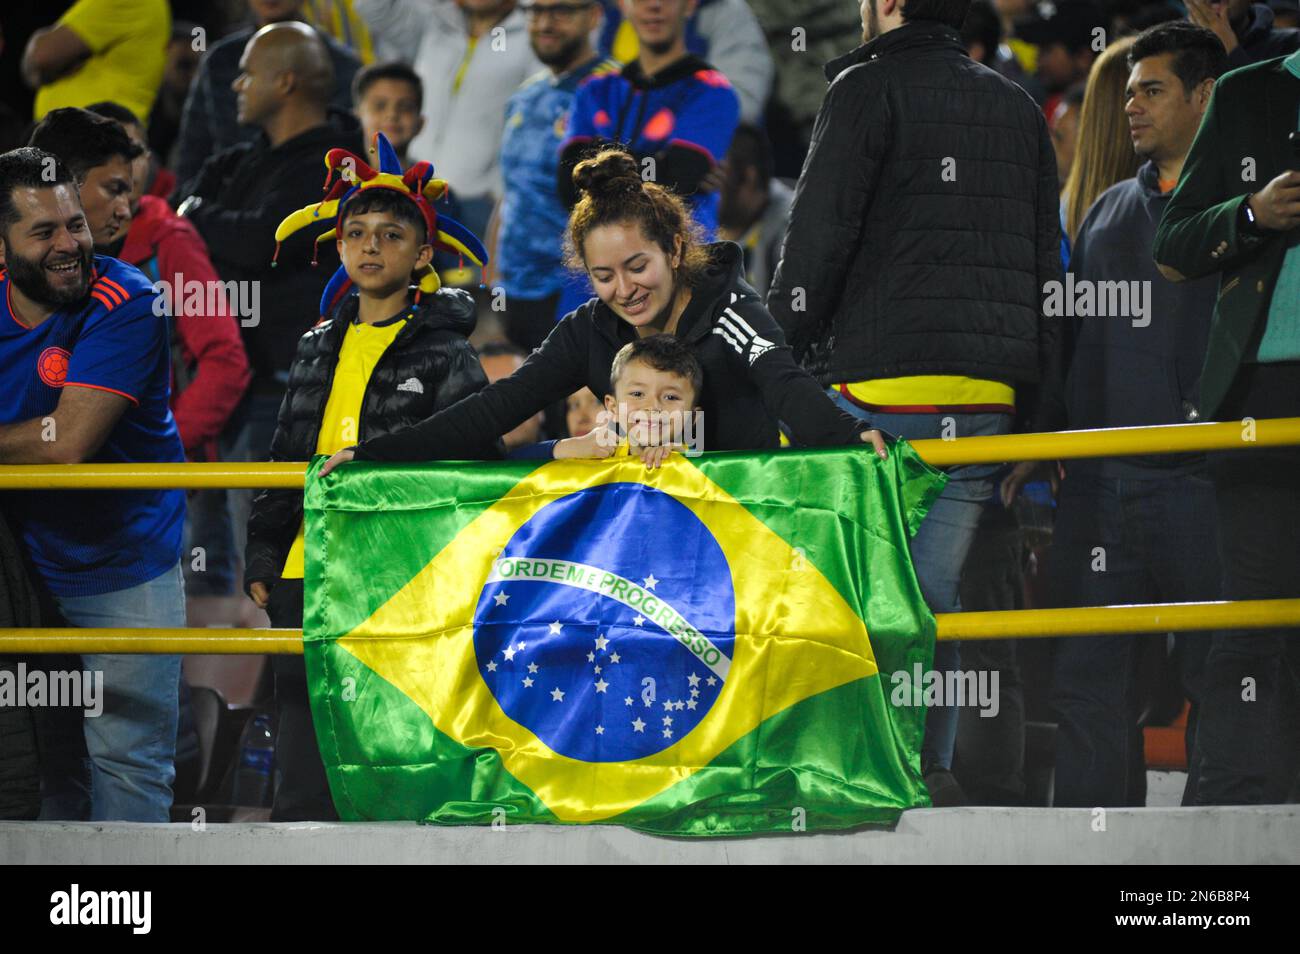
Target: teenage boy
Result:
[[384, 358]]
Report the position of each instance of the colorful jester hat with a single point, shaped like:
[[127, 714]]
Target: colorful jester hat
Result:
[[355, 176]]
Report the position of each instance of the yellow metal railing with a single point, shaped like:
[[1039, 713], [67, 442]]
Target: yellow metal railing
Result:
[[1003, 624], [1061, 445], [1110, 442]]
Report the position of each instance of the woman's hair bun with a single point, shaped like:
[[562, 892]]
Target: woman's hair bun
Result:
[[608, 174]]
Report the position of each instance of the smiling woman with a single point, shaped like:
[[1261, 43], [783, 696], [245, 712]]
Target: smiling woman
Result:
[[635, 240]]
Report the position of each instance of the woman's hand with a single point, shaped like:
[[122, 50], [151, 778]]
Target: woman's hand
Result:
[[597, 443], [877, 440], [342, 457], [261, 595]]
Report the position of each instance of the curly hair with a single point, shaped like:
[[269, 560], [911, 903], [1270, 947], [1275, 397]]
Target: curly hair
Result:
[[611, 191]]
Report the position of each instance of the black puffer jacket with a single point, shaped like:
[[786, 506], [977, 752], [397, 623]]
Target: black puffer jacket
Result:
[[925, 223], [429, 366], [750, 378]]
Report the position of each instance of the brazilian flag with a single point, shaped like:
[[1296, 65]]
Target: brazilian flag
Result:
[[702, 649]]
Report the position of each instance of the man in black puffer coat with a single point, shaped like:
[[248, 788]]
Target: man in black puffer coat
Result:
[[923, 233]]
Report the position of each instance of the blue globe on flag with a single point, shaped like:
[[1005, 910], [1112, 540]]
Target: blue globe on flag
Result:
[[601, 643]]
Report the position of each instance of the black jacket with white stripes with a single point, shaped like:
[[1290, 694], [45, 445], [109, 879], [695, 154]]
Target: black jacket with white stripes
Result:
[[750, 377]]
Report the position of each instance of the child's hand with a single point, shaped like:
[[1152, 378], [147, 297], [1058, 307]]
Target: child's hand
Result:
[[261, 595], [597, 443], [877, 441], [655, 456]]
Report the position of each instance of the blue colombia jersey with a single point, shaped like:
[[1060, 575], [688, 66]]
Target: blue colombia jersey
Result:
[[529, 259], [689, 104], [86, 542]]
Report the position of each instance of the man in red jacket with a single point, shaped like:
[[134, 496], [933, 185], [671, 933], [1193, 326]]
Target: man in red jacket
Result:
[[209, 366]]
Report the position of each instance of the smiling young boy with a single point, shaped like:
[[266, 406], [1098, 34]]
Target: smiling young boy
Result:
[[653, 396], [385, 357]]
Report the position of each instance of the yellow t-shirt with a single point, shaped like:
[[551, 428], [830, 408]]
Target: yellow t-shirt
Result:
[[932, 393], [339, 20], [363, 346], [128, 50]]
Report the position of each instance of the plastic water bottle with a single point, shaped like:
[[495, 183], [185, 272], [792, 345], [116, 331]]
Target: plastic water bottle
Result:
[[256, 758]]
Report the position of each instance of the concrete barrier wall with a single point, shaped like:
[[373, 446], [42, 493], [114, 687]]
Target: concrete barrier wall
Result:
[[1261, 835]]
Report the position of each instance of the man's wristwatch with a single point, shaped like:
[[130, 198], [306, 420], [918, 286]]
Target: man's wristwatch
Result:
[[1246, 219], [189, 205]]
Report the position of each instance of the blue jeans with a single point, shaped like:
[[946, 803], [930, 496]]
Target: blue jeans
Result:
[[940, 546], [131, 745], [1122, 541]]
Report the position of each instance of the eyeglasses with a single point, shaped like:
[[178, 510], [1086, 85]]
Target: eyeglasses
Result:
[[561, 11]]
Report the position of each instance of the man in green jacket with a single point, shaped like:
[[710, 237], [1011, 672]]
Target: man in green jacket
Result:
[[1236, 211]]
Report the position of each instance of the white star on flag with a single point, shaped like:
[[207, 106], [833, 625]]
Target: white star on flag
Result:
[[693, 679], [532, 667], [690, 703], [638, 725], [627, 701], [679, 704], [694, 693], [528, 682], [591, 657], [668, 720], [638, 619], [557, 695], [555, 628], [597, 670], [668, 733], [613, 657], [502, 598], [509, 652], [600, 730], [667, 705], [650, 582], [492, 666], [601, 643], [712, 680], [601, 685]]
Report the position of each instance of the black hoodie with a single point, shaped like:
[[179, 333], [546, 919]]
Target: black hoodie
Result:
[[428, 367], [750, 378], [1258, 39], [246, 191]]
